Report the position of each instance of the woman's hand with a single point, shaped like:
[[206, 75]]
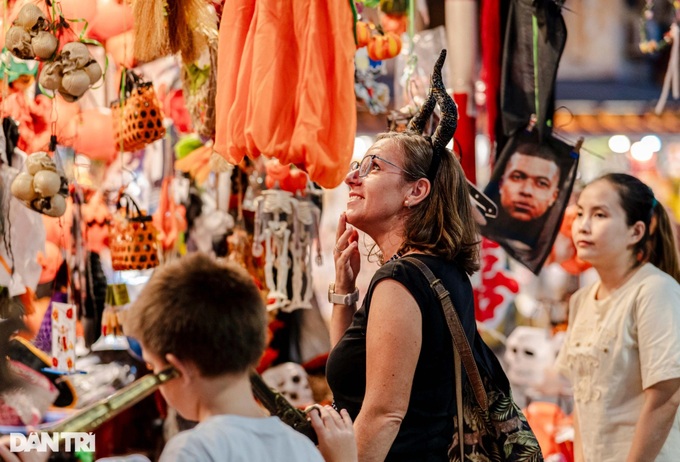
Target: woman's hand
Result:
[[32, 456], [346, 256], [335, 433]]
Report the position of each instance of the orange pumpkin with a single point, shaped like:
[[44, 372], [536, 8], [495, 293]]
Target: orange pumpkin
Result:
[[295, 181], [363, 34], [396, 23], [276, 171], [384, 46]]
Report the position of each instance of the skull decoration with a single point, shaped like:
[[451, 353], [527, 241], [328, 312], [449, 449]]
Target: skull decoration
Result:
[[529, 352], [290, 379], [29, 36], [31, 18], [18, 42], [40, 187], [72, 72]]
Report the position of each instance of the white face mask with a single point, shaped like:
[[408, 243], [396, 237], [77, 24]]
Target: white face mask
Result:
[[290, 379], [529, 352]]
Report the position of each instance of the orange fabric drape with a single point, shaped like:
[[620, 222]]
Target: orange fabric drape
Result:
[[286, 85]]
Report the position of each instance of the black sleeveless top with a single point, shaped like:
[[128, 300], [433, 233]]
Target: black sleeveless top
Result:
[[427, 429]]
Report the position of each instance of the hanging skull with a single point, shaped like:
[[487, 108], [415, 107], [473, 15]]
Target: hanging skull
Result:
[[39, 161], [50, 76], [290, 379], [529, 353], [18, 42], [44, 44], [74, 55], [31, 18]]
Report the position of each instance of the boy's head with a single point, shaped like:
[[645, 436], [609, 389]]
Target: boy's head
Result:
[[208, 313]]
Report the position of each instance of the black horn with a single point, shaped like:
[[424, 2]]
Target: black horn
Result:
[[418, 122], [449, 111]]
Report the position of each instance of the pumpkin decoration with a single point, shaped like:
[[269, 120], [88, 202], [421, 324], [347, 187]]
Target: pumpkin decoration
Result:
[[288, 179], [396, 23], [363, 31], [384, 46], [276, 172]]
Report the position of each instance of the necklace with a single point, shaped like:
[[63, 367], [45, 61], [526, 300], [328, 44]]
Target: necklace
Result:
[[396, 256]]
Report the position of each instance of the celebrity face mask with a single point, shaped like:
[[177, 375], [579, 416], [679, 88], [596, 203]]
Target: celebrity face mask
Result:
[[529, 186]]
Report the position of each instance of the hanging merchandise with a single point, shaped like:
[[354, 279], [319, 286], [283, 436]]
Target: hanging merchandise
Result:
[[258, 111], [35, 35], [286, 225], [133, 237], [112, 337], [199, 82], [63, 337], [165, 27], [535, 36], [137, 115], [531, 184], [40, 187]]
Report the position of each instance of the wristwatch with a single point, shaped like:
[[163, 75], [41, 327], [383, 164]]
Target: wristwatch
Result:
[[342, 299]]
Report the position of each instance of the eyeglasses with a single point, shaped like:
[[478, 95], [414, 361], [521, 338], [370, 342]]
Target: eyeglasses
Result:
[[366, 165]]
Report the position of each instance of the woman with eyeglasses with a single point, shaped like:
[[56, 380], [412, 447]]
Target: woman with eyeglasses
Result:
[[392, 362]]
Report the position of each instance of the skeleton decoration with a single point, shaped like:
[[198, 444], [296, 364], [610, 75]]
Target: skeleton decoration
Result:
[[40, 187], [287, 226], [291, 380]]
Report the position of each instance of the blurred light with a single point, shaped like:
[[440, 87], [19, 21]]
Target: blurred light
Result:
[[619, 144], [482, 149], [652, 142], [361, 145], [641, 152]]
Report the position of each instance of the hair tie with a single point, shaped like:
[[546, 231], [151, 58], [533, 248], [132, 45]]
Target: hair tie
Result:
[[654, 203]]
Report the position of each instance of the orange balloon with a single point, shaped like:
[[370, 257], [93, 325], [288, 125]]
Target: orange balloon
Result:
[[79, 9], [58, 230], [66, 115], [113, 17], [50, 261], [94, 135], [120, 47]]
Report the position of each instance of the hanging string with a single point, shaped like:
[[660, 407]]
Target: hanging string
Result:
[[6, 60]]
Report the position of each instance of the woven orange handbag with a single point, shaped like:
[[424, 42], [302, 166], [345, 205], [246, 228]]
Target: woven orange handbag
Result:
[[133, 238], [137, 115]]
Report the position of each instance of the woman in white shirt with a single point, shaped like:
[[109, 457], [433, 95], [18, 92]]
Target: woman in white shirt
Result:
[[622, 351]]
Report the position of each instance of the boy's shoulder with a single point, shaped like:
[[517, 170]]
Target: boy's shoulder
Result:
[[232, 437]]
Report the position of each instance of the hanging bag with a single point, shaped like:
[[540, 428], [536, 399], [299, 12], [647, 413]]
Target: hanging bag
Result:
[[491, 426], [137, 115], [133, 237]]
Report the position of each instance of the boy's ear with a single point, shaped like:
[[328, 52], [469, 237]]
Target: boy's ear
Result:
[[187, 370]]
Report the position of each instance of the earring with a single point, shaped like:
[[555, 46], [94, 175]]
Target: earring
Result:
[[406, 203]]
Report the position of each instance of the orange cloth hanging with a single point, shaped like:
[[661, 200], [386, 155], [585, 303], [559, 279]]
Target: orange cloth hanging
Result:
[[231, 80], [286, 85]]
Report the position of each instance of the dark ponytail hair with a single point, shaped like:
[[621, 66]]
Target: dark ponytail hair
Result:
[[657, 245]]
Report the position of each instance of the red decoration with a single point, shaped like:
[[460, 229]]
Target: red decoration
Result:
[[497, 289]]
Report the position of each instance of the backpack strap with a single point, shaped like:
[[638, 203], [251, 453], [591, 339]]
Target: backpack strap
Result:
[[461, 346]]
